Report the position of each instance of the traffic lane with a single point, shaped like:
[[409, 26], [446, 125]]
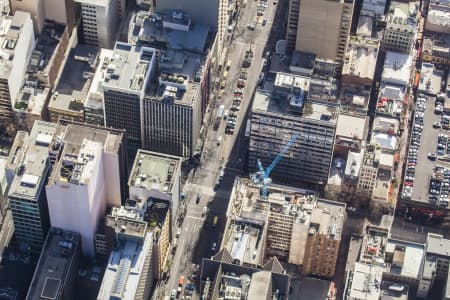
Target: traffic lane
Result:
[[218, 207]]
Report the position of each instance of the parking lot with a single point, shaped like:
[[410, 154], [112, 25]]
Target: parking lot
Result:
[[427, 174], [424, 140]]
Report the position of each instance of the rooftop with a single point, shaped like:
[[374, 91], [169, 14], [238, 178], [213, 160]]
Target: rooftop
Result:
[[365, 26], [351, 126], [438, 17], [172, 30], [29, 153], [405, 258], [75, 80], [126, 266], [127, 221], [33, 96], [266, 102], [236, 282], [430, 79], [82, 147], [373, 7], [365, 282], [353, 165], [360, 57], [385, 141], [129, 68], [155, 171], [314, 289], [249, 214], [95, 94], [374, 245], [386, 125], [11, 28], [55, 266], [437, 245], [393, 291], [397, 68], [402, 16]]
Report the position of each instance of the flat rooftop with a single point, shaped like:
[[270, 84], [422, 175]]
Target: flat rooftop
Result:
[[397, 68], [129, 67], [244, 243], [393, 291], [33, 164], [264, 101], [71, 91], [360, 57], [42, 55], [95, 94], [83, 146], [430, 79], [402, 15], [407, 258], [437, 245], [365, 282], [125, 269], [351, 126], [156, 28], [155, 171], [11, 27], [55, 263], [127, 221]]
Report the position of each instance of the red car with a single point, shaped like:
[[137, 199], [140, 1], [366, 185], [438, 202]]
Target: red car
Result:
[[409, 183]]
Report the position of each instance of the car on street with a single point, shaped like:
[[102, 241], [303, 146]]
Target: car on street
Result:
[[251, 26], [213, 247], [264, 22]]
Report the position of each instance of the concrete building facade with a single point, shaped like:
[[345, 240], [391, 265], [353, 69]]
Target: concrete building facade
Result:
[[17, 38], [100, 21], [322, 27], [401, 26], [126, 77], [29, 160], [60, 11], [274, 122], [86, 179], [57, 268]]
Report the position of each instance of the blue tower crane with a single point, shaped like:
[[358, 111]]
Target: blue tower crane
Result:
[[262, 176]]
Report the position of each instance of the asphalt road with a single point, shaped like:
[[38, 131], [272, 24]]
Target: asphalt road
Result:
[[197, 231]]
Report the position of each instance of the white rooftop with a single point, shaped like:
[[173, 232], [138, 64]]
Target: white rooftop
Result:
[[361, 57], [436, 244], [353, 164], [351, 126], [412, 262], [125, 270], [385, 141], [430, 79], [366, 282], [397, 68]]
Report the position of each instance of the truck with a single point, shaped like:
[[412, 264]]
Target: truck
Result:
[[247, 129], [219, 116]]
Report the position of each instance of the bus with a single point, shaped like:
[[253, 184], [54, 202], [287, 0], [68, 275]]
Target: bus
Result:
[[247, 129]]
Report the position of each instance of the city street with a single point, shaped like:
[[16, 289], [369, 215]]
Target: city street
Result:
[[229, 156]]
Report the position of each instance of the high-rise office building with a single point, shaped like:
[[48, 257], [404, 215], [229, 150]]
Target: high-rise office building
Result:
[[29, 160], [57, 268], [156, 176], [129, 273], [401, 27], [17, 38], [217, 17], [126, 76], [60, 11], [101, 20], [320, 27], [275, 119], [173, 108], [88, 176]]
